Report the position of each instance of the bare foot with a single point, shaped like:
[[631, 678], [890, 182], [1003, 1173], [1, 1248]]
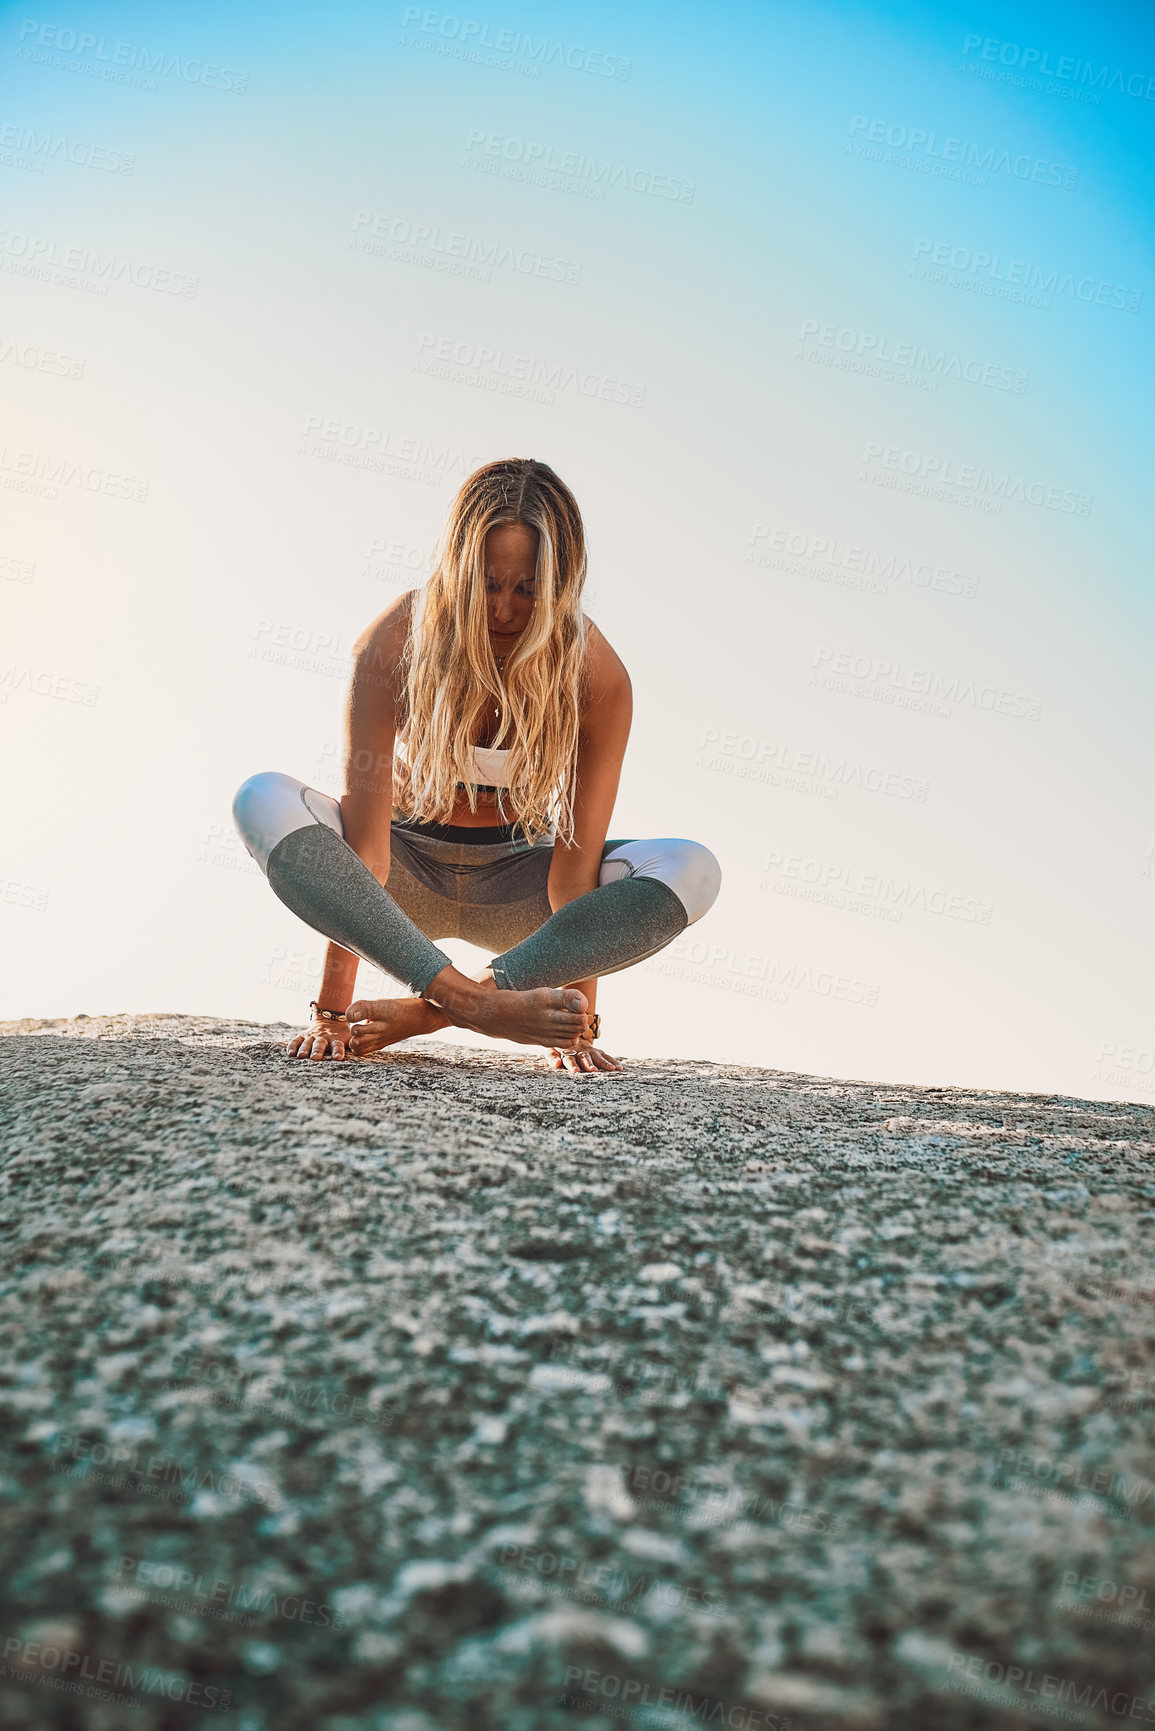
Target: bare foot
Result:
[[552, 1016], [383, 1021]]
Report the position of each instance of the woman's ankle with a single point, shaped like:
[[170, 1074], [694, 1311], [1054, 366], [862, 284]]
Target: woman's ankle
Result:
[[453, 993]]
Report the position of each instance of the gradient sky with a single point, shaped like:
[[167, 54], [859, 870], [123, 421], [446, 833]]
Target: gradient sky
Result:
[[824, 153]]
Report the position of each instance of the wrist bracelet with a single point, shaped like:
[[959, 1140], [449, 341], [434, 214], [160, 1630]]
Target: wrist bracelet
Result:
[[327, 1015], [595, 1027]]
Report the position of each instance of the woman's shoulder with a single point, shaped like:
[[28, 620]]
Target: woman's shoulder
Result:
[[384, 637], [605, 668]]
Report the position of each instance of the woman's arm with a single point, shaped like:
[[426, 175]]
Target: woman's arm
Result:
[[604, 728], [371, 714]]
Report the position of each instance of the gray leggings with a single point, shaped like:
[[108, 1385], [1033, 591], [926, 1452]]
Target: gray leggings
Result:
[[493, 894]]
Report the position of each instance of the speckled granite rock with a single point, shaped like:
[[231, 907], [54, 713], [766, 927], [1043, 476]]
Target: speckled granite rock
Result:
[[443, 1390]]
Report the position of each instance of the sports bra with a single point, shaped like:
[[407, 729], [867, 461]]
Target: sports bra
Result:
[[489, 766]]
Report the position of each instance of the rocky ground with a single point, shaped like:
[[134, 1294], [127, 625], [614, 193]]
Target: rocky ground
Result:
[[441, 1390]]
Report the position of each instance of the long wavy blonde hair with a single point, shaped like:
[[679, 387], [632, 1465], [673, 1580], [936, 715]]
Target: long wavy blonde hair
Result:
[[450, 674]]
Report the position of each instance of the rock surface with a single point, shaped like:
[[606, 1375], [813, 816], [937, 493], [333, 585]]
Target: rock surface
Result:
[[441, 1390]]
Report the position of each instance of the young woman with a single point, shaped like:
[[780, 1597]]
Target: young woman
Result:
[[487, 720]]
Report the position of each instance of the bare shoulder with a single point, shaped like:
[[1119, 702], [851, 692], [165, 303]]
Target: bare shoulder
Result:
[[608, 679], [383, 639], [376, 686]]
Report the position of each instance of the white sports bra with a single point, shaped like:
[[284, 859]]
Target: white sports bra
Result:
[[489, 765]]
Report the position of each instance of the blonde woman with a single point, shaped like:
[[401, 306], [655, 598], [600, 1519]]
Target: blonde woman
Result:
[[487, 720]]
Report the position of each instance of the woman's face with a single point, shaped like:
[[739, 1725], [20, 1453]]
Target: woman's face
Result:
[[510, 566]]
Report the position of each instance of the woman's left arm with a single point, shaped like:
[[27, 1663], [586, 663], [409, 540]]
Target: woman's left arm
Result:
[[604, 728]]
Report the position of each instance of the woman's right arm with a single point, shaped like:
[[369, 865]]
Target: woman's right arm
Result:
[[372, 712]]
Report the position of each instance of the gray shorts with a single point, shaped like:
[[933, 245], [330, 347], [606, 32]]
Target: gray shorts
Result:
[[492, 894]]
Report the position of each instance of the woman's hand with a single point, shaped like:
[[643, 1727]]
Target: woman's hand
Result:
[[325, 1039], [584, 1060]]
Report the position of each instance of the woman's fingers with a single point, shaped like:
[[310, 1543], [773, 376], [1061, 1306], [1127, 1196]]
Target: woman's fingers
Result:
[[598, 1060], [585, 1061], [320, 1042]]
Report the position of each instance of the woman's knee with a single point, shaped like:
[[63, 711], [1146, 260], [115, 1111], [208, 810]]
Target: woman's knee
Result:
[[269, 806], [686, 867]]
